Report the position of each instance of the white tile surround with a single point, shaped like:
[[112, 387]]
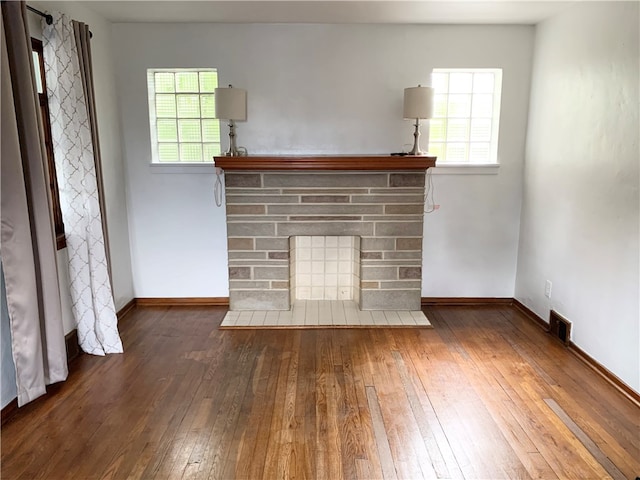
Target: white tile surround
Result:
[[325, 268]]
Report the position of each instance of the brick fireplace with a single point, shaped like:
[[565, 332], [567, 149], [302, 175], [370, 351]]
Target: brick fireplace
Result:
[[379, 200]]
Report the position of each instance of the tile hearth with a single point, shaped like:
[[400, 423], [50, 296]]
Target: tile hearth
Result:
[[325, 314]]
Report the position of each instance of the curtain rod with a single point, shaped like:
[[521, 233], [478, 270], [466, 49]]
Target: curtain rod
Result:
[[48, 18]]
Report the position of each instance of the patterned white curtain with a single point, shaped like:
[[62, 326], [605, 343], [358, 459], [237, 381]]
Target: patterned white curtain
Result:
[[91, 294]]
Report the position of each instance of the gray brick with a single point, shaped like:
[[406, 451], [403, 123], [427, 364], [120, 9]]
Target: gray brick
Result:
[[403, 209], [390, 300], [271, 273], [246, 209], [259, 300], [260, 199], [397, 191], [329, 228], [371, 256], [250, 229], [240, 243], [279, 255], [385, 199], [315, 180], [275, 243], [324, 218], [239, 273], [322, 191], [373, 244], [402, 284], [403, 255], [247, 255], [332, 209], [242, 180], [408, 244], [325, 199], [378, 273], [406, 179], [410, 272], [244, 285], [260, 219], [387, 229], [280, 285]]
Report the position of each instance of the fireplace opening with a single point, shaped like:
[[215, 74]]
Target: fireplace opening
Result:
[[324, 268]]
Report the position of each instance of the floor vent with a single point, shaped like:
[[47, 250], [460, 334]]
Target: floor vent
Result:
[[559, 327]]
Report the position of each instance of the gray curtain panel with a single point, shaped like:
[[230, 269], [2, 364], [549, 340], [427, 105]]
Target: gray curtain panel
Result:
[[28, 241]]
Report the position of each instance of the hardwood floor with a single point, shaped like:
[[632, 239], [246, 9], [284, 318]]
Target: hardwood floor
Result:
[[484, 394]]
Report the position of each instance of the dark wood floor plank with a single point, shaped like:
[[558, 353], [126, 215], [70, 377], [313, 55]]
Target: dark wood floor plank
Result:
[[484, 394]]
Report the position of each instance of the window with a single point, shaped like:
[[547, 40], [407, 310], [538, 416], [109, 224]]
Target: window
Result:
[[181, 115], [464, 127], [41, 84]]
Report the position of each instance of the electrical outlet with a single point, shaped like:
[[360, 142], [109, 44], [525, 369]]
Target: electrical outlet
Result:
[[547, 289]]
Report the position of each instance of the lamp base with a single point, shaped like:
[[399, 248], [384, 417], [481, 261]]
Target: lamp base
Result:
[[233, 150], [416, 141]]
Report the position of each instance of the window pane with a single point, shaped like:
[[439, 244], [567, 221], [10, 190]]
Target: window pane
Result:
[[208, 81], [483, 105], [167, 130], [459, 106], [207, 106], [437, 130], [437, 149], [460, 82], [210, 131], [440, 82], [188, 106], [164, 82], [165, 106], [38, 73], [483, 83], [211, 150], [440, 105], [189, 131], [479, 152], [480, 130], [457, 152], [458, 130], [186, 81], [191, 152], [168, 152]]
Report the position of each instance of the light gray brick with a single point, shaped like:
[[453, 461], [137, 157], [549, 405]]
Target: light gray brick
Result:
[[259, 300], [390, 300], [274, 243], [375, 244], [250, 229], [315, 180], [329, 228], [242, 180], [388, 229], [407, 179], [271, 273], [385, 199], [378, 273]]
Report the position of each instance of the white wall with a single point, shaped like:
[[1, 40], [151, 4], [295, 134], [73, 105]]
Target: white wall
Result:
[[321, 89], [580, 212], [110, 147]]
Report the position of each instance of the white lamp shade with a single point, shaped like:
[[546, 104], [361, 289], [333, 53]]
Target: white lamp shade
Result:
[[231, 104], [418, 102]]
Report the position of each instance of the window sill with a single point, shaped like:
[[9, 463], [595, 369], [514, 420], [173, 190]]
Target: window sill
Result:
[[465, 169], [193, 168]]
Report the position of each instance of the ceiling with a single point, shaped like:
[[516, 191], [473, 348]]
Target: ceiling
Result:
[[336, 11]]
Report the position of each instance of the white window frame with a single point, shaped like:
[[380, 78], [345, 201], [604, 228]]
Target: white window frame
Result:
[[491, 166], [155, 156]]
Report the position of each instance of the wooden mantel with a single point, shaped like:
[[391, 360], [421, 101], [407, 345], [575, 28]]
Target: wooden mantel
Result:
[[326, 162]]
